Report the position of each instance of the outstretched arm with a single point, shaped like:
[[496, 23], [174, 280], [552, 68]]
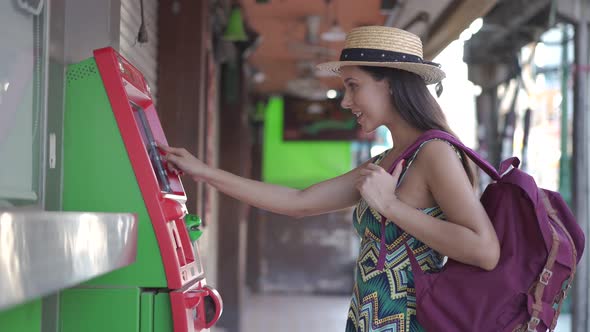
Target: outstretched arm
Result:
[[330, 195]]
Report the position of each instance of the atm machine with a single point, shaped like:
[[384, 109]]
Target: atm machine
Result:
[[112, 164]]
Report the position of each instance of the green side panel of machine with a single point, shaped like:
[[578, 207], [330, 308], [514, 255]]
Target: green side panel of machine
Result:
[[100, 310], [23, 318], [98, 176], [147, 312], [163, 313]]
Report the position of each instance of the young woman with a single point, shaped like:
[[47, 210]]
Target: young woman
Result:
[[428, 201]]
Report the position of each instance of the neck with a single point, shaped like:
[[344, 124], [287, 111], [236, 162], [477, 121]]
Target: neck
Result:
[[403, 136]]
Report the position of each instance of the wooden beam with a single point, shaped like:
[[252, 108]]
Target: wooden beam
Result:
[[453, 23], [234, 157], [182, 53], [526, 11]]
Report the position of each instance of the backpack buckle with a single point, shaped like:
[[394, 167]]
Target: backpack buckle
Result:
[[545, 276], [566, 290], [532, 325]]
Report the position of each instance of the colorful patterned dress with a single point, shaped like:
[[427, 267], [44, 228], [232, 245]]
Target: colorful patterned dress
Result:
[[385, 301]]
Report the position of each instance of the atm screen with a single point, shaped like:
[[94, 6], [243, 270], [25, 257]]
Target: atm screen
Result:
[[151, 147]]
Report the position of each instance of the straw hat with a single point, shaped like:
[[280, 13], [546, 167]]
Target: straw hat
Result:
[[380, 46]]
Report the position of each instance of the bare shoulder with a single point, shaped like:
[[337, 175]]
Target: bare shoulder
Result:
[[438, 151], [440, 161]]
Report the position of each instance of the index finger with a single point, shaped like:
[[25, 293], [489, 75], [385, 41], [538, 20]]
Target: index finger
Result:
[[373, 166], [166, 148]]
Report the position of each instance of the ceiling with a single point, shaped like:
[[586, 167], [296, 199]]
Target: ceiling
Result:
[[503, 33], [291, 42]]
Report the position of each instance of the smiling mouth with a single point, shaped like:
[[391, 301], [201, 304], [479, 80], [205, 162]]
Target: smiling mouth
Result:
[[357, 114]]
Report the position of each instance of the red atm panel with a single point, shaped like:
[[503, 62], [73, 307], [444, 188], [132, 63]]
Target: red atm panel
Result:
[[162, 191]]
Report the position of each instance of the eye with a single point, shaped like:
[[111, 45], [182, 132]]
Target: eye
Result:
[[352, 86]]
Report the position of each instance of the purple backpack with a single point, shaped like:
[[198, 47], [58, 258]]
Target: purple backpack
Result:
[[541, 244]]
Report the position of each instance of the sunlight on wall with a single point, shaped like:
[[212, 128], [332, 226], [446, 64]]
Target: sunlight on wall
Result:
[[458, 97]]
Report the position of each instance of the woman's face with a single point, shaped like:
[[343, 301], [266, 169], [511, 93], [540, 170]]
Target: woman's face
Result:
[[366, 98]]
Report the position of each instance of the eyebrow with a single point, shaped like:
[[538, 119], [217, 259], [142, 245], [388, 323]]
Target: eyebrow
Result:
[[348, 79]]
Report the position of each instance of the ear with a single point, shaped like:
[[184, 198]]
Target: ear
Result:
[[389, 86]]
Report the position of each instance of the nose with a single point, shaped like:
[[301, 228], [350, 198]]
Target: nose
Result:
[[346, 102]]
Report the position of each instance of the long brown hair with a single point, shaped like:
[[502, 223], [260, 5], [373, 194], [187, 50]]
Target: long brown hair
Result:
[[416, 105]]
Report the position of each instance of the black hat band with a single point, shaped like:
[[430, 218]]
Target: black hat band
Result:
[[373, 55]]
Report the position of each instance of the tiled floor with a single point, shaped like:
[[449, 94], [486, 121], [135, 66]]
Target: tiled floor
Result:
[[289, 313], [296, 313]]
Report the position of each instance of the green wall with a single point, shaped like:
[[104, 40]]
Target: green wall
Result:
[[299, 164], [23, 318]]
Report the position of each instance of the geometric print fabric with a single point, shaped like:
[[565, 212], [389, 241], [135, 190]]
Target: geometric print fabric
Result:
[[385, 301]]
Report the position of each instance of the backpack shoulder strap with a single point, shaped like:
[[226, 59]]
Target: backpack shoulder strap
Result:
[[413, 156], [434, 134]]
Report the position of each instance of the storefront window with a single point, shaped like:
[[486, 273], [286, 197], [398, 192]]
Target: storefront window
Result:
[[22, 63], [545, 109]]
